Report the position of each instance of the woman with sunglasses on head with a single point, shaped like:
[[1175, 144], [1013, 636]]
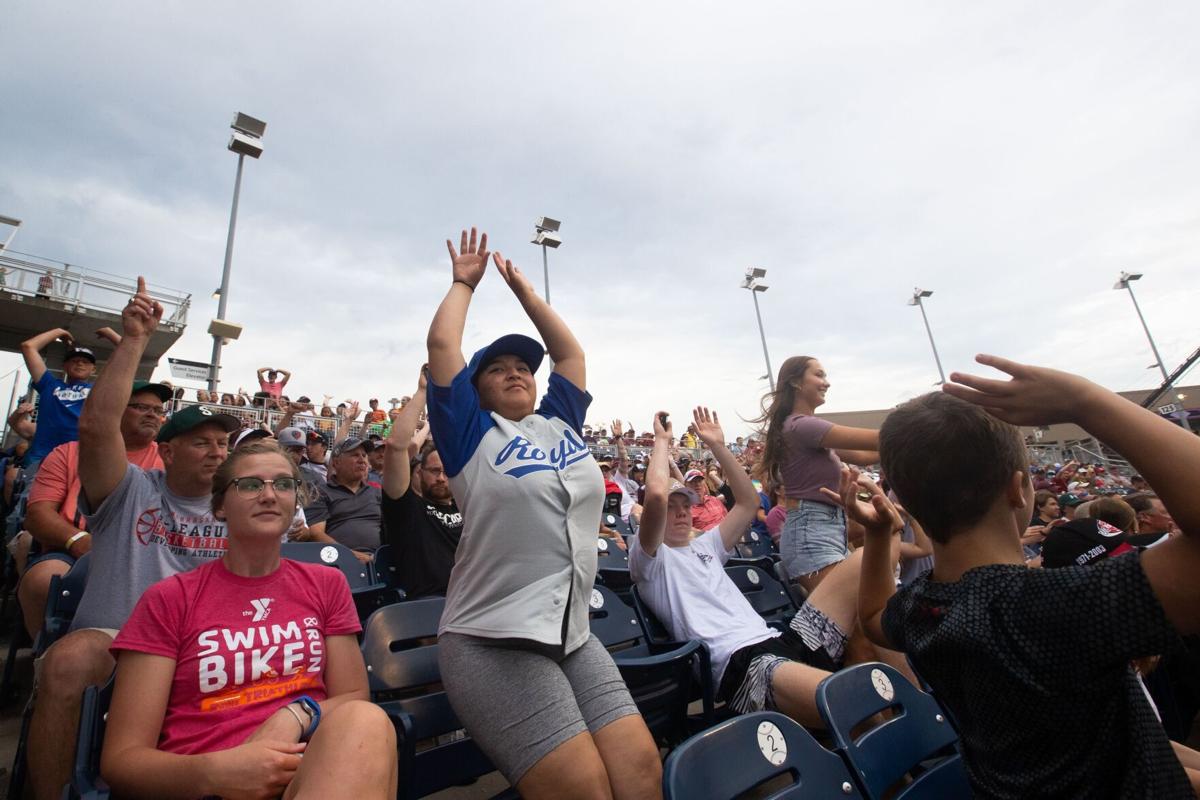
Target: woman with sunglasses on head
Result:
[[532, 686], [228, 674], [804, 454]]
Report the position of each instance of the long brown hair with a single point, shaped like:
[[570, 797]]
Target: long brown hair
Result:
[[777, 407]]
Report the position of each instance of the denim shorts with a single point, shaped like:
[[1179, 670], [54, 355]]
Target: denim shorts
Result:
[[814, 536]]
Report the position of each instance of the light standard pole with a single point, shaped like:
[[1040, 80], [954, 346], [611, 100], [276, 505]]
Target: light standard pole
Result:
[[915, 300], [1123, 282], [245, 141], [754, 283], [546, 234]]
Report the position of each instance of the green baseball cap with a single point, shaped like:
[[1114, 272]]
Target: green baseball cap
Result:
[[161, 390], [185, 419]]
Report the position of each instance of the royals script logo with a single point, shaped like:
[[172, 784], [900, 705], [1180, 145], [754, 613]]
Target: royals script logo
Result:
[[525, 457]]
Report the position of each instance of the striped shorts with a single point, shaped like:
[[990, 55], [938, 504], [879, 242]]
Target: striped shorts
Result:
[[811, 638]]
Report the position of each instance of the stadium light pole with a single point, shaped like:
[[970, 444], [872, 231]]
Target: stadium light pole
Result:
[[753, 281], [546, 234], [1125, 282], [245, 141], [916, 300]]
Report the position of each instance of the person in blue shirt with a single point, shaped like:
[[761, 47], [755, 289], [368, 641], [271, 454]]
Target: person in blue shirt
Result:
[[533, 687], [60, 401]]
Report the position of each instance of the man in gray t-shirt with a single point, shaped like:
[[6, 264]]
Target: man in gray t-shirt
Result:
[[145, 526]]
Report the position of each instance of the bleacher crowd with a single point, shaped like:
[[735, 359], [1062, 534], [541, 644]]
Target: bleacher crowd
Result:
[[247, 595]]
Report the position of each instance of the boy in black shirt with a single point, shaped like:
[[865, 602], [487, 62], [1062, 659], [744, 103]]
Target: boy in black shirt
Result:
[[1033, 664]]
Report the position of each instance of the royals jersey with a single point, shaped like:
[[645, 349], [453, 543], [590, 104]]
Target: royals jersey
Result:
[[531, 494]]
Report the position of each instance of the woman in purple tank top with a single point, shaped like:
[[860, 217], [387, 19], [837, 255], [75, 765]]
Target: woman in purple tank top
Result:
[[804, 454]]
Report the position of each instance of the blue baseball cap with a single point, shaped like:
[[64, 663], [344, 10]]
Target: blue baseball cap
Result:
[[523, 347]]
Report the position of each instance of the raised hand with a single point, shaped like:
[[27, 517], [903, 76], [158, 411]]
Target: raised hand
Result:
[[108, 334], [513, 276], [661, 429], [865, 503], [142, 313], [352, 411], [708, 427], [469, 263], [1034, 396], [616, 428]]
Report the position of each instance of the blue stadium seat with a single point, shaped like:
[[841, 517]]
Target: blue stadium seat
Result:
[[745, 752], [617, 524], [755, 545], [612, 566], [62, 602], [86, 783], [916, 743], [386, 568], [662, 678], [400, 650], [369, 591], [765, 593]]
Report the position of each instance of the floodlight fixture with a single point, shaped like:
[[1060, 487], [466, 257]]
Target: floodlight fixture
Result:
[[216, 295], [546, 236], [752, 282], [918, 295], [547, 239], [225, 329], [245, 141], [1123, 283]]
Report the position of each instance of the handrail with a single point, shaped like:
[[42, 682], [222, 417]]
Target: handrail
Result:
[[78, 287]]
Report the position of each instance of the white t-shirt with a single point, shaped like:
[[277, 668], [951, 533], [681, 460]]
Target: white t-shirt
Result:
[[688, 590]]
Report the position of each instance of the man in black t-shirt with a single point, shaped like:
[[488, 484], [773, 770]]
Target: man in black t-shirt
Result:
[[421, 521]]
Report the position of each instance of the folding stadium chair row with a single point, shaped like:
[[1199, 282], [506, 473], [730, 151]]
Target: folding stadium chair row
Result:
[[910, 756]]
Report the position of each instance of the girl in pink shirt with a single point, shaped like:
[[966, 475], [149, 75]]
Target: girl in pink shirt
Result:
[[228, 674]]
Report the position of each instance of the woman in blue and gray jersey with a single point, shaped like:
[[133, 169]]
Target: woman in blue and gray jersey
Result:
[[527, 679]]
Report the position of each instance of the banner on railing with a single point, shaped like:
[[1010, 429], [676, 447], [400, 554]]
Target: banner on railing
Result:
[[189, 370]]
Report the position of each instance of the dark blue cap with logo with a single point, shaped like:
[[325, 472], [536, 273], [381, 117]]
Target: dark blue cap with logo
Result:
[[523, 347]]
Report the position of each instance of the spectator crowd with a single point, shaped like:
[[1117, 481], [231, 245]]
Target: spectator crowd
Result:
[[1051, 607]]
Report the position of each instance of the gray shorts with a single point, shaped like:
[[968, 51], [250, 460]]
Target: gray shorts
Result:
[[813, 537], [521, 703]]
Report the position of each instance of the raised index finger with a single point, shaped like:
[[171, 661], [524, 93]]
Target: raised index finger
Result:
[[141, 285]]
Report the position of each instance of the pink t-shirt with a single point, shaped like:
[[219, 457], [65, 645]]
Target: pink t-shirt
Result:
[[806, 465], [775, 520], [274, 389], [243, 647]]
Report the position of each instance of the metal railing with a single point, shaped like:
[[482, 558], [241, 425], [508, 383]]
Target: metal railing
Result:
[[76, 287]]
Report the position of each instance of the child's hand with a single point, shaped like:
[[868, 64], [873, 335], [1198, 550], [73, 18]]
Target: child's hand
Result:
[[1034, 396], [865, 503]]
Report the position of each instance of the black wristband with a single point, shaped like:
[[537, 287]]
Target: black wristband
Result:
[[464, 283]]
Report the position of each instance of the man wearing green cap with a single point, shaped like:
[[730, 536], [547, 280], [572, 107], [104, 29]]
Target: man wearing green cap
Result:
[[145, 526]]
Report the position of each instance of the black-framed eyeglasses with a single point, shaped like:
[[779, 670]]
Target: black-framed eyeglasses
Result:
[[252, 487], [147, 408]]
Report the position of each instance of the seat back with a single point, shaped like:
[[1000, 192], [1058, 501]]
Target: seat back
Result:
[[612, 519], [653, 628], [739, 754], [755, 545], [661, 678], [358, 573], [400, 649], [765, 593], [93, 718], [386, 569], [62, 601], [917, 741]]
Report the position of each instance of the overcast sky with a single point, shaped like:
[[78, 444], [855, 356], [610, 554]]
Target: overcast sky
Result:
[[1013, 158]]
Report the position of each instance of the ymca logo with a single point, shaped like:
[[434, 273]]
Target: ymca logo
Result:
[[260, 609], [530, 458]]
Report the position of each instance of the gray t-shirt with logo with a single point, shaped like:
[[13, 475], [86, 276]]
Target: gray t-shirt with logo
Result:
[[141, 534]]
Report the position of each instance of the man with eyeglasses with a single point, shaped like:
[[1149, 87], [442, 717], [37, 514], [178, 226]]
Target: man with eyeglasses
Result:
[[421, 521], [145, 525], [58, 527], [346, 510]]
